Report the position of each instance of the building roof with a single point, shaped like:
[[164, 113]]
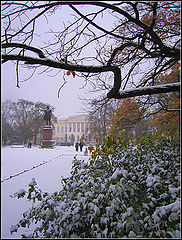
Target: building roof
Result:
[[75, 118]]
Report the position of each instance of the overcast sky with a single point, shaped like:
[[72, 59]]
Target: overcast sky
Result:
[[42, 87]]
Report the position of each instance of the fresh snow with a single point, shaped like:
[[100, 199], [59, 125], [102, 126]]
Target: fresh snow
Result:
[[21, 167], [152, 179], [45, 167]]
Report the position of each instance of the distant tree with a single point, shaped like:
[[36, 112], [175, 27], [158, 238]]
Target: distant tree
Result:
[[168, 121], [168, 106], [22, 111], [7, 132], [142, 42], [37, 121], [98, 118], [126, 117], [6, 122], [144, 128], [25, 119]]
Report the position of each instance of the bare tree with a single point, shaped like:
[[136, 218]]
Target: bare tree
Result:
[[99, 114], [141, 40], [6, 122], [22, 117]]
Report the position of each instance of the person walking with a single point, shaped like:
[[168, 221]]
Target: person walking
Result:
[[76, 146], [81, 146], [86, 152], [29, 144]]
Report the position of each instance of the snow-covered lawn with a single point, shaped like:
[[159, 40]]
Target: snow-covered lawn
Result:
[[19, 166]]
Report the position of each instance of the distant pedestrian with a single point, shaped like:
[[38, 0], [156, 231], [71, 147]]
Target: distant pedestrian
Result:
[[81, 146], [76, 146], [29, 144], [86, 152]]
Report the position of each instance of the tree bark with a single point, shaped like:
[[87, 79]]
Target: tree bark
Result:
[[171, 87]]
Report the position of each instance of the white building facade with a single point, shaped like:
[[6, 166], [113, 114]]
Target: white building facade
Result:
[[71, 129]]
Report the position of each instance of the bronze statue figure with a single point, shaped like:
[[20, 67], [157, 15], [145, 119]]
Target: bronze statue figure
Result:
[[47, 116]]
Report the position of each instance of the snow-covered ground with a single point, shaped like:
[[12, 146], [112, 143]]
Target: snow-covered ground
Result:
[[19, 166]]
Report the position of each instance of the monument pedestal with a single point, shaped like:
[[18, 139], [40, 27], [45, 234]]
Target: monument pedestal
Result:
[[47, 132]]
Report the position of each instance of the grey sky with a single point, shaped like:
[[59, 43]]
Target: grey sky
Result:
[[42, 87]]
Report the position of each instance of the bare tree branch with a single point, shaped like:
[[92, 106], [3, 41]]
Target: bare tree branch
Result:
[[173, 87], [79, 68], [24, 46], [142, 33]]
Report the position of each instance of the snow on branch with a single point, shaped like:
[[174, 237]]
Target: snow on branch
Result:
[[164, 88]]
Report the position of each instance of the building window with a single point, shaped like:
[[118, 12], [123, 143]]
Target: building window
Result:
[[74, 127], [70, 127], [57, 129], [65, 129], [78, 127], [82, 127], [86, 128], [62, 129], [72, 138]]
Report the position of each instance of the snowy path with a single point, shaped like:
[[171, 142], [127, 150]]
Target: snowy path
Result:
[[19, 166]]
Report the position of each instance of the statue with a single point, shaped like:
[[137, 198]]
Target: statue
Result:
[[47, 130], [47, 116]]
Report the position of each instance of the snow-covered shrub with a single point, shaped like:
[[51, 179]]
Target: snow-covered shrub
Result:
[[124, 191]]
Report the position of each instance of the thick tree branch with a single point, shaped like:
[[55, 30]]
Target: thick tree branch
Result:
[[24, 46], [56, 64], [172, 87], [66, 66], [114, 93], [141, 38]]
